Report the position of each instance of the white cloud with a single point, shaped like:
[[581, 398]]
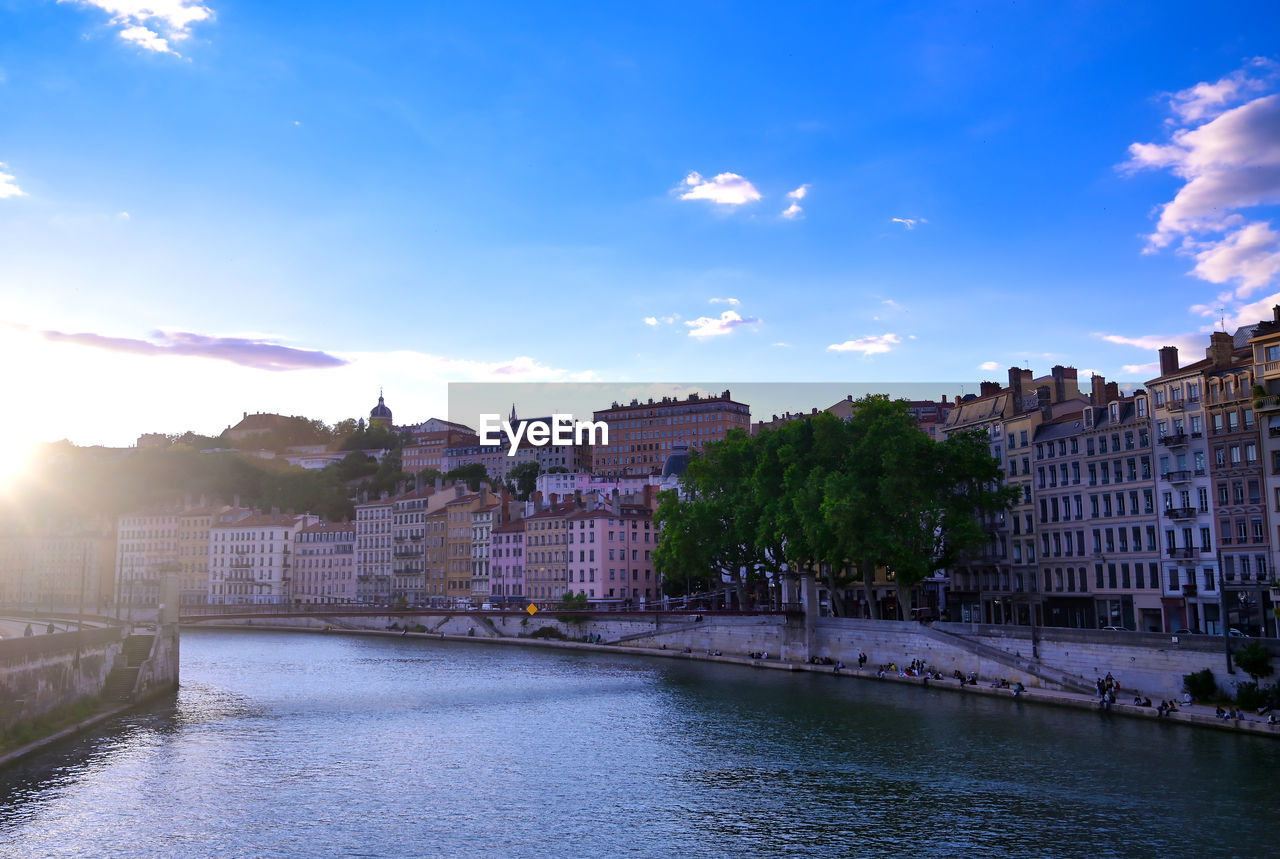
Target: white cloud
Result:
[[1225, 147], [712, 326], [1250, 256], [9, 185], [655, 321], [152, 24], [732, 302], [799, 193], [792, 212], [651, 320], [1141, 369], [726, 189], [1206, 100], [1153, 342], [909, 223], [988, 365], [782, 345], [873, 345]]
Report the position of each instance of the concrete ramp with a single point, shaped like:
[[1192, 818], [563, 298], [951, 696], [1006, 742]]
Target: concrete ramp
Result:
[[1033, 667]]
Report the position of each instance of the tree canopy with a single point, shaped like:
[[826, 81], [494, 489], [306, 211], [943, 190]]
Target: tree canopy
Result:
[[837, 498]]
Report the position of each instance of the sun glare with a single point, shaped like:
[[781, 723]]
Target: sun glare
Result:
[[15, 458]]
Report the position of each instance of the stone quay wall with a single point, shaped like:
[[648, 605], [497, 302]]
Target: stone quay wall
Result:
[[1057, 659]]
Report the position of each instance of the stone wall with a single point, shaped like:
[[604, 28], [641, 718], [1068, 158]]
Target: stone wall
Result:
[[1152, 664], [42, 673], [160, 672]]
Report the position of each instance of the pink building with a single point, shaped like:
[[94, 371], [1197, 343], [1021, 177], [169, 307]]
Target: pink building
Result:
[[611, 553], [506, 562]]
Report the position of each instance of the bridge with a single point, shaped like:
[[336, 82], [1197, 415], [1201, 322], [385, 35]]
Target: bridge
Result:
[[202, 613]]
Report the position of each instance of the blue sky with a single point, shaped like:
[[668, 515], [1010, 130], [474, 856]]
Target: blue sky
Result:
[[406, 196]]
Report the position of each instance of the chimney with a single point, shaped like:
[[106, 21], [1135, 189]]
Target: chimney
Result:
[[417, 483], [235, 500], [537, 502], [577, 498], [957, 400], [648, 496], [458, 490], [1220, 348], [1097, 390], [987, 389], [1275, 313], [1168, 360], [439, 483], [1061, 376], [1113, 392], [615, 504]]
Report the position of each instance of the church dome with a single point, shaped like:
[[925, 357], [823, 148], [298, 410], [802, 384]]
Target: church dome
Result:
[[380, 412], [677, 461]]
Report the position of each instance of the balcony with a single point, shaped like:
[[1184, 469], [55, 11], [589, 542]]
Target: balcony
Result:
[[407, 553], [1175, 405], [1178, 439], [1185, 554], [1181, 476], [1189, 589], [1180, 512]]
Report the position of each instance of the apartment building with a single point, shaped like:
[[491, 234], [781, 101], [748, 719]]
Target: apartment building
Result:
[[1265, 348], [1237, 474], [408, 552], [506, 561], [147, 549], [251, 560], [642, 434], [989, 586], [374, 550], [324, 564]]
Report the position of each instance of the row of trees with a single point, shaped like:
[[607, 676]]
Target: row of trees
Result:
[[839, 498]]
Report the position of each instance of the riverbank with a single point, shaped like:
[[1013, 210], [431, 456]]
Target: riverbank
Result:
[[1193, 715]]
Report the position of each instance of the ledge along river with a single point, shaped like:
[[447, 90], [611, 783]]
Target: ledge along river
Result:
[[327, 744]]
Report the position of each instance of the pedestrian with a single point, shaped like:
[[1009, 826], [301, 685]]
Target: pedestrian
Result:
[[30, 632]]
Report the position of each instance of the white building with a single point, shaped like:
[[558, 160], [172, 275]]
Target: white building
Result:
[[251, 561]]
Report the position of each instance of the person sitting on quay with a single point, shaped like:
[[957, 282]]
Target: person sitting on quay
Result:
[[862, 660], [1220, 713], [1146, 702], [1018, 689]]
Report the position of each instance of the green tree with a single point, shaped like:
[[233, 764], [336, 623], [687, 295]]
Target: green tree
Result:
[[473, 474], [522, 479], [715, 534], [1255, 660]]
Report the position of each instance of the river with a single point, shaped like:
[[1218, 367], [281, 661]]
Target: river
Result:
[[325, 744]]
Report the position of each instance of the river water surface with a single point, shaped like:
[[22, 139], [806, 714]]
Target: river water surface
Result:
[[326, 744]]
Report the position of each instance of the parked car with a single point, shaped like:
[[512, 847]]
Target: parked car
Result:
[[1115, 629], [1183, 631], [1235, 633]]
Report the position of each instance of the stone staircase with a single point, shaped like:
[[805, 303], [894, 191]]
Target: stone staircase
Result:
[[1068, 682], [123, 678]]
